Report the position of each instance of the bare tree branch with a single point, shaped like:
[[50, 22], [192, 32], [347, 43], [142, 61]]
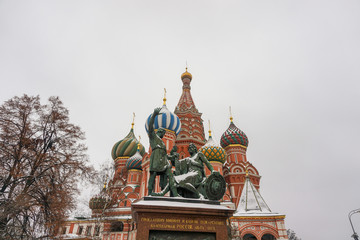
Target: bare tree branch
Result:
[[42, 156]]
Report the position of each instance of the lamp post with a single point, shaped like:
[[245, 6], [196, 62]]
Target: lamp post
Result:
[[355, 236]]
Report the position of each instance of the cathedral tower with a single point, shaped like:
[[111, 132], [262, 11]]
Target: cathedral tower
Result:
[[235, 143], [121, 152], [214, 153], [133, 165], [192, 129]]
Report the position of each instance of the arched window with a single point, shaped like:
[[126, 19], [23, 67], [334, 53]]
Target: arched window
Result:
[[97, 230], [80, 230], [268, 237], [249, 237], [117, 226]]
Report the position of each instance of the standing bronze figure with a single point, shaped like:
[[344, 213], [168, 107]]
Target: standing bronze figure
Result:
[[159, 163]]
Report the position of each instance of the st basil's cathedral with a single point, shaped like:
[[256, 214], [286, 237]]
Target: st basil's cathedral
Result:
[[112, 217]]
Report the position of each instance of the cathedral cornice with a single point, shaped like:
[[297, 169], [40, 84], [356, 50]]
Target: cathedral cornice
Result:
[[273, 216], [191, 110], [189, 140], [234, 145]]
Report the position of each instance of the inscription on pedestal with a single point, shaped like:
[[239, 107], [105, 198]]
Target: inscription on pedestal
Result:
[[169, 235], [177, 224]]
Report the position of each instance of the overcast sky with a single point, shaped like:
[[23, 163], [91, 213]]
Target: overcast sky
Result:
[[289, 69]]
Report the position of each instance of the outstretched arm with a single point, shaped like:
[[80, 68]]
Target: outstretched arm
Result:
[[152, 119], [207, 163]]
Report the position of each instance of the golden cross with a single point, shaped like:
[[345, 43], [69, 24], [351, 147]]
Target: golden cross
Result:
[[139, 143], [246, 170], [164, 96], [133, 121], [209, 129]]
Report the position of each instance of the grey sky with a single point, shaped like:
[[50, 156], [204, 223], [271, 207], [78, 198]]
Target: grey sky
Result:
[[289, 69]]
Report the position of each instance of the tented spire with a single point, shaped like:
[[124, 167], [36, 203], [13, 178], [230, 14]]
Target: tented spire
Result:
[[251, 201]]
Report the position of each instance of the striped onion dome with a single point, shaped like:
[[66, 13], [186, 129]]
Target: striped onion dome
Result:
[[134, 162], [127, 146], [233, 135], [212, 151], [99, 200], [166, 120]]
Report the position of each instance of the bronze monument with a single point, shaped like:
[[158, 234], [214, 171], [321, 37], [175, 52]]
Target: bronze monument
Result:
[[188, 180]]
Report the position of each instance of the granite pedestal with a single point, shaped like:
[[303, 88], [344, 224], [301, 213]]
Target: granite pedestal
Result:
[[169, 218]]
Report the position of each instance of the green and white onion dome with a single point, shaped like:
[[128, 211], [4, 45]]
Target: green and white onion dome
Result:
[[135, 161], [212, 151], [127, 146], [99, 201], [166, 120]]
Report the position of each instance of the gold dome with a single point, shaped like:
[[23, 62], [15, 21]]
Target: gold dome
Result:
[[186, 74]]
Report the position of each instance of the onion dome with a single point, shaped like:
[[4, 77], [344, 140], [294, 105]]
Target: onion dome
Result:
[[186, 74], [135, 161], [127, 147], [166, 120], [99, 201], [233, 135], [212, 151]]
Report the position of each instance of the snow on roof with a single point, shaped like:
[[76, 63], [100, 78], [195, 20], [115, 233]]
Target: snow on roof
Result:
[[120, 217], [257, 214], [118, 209], [180, 204], [71, 236], [211, 143], [251, 202]]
